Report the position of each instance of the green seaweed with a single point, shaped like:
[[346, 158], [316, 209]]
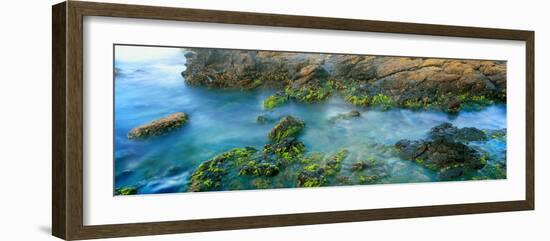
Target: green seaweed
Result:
[[333, 164], [475, 102], [254, 168], [260, 183], [288, 126], [358, 100], [362, 179], [243, 155], [311, 94], [312, 167], [420, 161], [413, 104], [381, 100], [126, 191], [208, 175], [483, 159], [274, 101]]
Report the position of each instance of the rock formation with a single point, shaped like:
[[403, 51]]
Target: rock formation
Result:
[[159, 127], [445, 150], [397, 81]]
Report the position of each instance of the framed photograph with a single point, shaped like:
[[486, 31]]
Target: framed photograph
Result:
[[171, 120]]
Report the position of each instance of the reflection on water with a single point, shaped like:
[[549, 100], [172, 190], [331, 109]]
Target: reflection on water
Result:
[[221, 120]]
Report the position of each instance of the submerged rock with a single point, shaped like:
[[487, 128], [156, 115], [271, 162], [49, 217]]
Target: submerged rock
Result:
[[497, 134], [159, 127], [275, 100], [213, 174], [346, 116], [358, 166], [259, 169], [287, 147], [262, 119], [445, 150], [209, 175], [448, 131], [317, 174], [288, 126]]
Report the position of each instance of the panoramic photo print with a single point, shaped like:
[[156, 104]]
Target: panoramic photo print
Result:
[[202, 119]]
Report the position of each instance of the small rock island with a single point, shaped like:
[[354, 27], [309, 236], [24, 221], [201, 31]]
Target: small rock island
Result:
[[159, 127]]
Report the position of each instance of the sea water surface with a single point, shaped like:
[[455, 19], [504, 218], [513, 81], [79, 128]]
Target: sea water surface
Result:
[[148, 88]]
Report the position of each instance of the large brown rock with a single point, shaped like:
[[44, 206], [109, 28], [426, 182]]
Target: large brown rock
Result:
[[401, 78], [247, 69]]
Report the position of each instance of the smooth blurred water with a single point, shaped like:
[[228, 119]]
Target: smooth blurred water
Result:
[[219, 120]]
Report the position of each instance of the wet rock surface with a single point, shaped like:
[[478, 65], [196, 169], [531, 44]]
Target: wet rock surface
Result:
[[159, 127], [282, 159], [446, 150], [288, 126], [447, 84]]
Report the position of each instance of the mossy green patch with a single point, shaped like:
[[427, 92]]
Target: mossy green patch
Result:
[[358, 100], [260, 183], [209, 174], [275, 100], [381, 100], [126, 191], [313, 182], [369, 179], [315, 174], [413, 104], [288, 126], [259, 169], [474, 102]]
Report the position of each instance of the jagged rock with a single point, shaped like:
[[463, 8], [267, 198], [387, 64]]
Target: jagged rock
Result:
[[405, 80], [445, 149], [316, 174], [289, 145], [211, 174], [396, 64], [450, 132], [208, 175], [312, 75], [159, 127]]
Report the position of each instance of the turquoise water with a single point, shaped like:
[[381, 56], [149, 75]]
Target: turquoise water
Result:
[[219, 120]]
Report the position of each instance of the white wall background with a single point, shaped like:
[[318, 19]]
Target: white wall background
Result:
[[25, 121]]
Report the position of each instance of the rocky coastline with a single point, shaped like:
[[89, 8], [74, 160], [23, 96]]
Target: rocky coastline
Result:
[[407, 82], [384, 83]]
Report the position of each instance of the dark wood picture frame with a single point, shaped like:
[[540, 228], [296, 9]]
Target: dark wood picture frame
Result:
[[67, 137]]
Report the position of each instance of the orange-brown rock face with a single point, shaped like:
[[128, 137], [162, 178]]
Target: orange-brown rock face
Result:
[[402, 79]]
